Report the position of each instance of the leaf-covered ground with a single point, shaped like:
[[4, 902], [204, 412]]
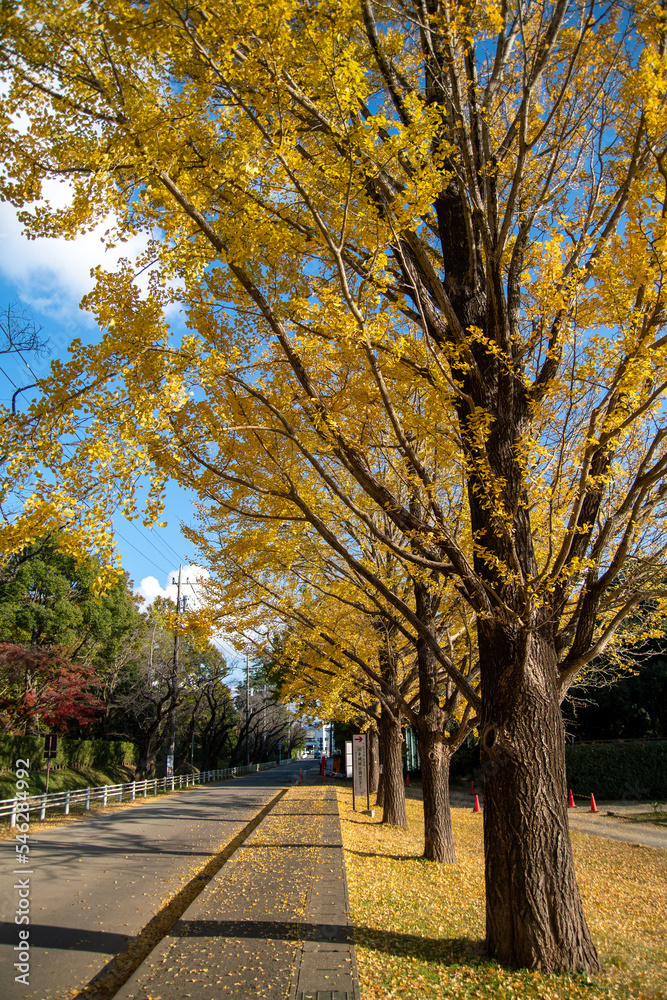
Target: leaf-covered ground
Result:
[[419, 926]]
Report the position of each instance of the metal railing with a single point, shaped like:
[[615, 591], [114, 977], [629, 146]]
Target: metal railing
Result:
[[129, 791]]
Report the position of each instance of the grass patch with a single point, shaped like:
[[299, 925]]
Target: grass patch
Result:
[[657, 818], [60, 781], [419, 926], [67, 778]]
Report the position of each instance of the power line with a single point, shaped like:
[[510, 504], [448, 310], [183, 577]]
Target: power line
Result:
[[25, 363], [163, 541], [161, 569], [224, 646], [142, 531], [7, 377], [144, 534], [152, 540]]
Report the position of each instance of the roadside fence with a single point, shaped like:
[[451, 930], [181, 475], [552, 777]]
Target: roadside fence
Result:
[[112, 794]]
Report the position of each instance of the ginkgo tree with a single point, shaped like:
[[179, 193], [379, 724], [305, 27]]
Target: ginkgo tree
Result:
[[336, 653], [33, 505], [448, 214], [338, 623], [334, 647]]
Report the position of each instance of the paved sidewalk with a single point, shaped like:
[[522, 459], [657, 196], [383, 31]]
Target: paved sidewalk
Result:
[[273, 923]]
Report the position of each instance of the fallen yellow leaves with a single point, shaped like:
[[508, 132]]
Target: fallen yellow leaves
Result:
[[419, 927]]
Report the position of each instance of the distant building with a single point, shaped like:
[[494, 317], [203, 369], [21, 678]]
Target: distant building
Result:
[[318, 738]]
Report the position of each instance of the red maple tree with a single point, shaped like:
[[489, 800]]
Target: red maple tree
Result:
[[43, 684]]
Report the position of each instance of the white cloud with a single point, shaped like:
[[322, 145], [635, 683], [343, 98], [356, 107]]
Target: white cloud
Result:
[[150, 587], [52, 275]]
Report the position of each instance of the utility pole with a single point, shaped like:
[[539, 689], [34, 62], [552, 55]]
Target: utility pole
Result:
[[171, 747], [247, 711]]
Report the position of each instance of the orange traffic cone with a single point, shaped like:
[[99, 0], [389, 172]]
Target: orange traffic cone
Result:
[[472, 787], [476, 808], [571, 804], [594, 808]]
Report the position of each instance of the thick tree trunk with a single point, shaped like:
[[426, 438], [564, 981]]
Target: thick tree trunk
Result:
[[534, 914], [435, 761], [435, 755], [373, 760], [392, 770], [379, 798], [184, 748], [146, 763]]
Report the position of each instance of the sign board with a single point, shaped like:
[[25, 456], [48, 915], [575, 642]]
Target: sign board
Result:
[[348, 759], [170, 765], [360, 769]]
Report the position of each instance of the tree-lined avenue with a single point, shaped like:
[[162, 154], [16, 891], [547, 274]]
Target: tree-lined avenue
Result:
[[98, 883]]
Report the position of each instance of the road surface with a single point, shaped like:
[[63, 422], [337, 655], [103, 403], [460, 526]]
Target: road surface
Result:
[[93, 884]]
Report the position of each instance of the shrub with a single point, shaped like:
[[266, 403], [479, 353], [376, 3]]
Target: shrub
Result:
[[620, 770], [72, 753]]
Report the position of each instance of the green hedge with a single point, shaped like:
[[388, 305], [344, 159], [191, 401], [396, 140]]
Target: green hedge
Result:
[[633, 770], [72, 753]]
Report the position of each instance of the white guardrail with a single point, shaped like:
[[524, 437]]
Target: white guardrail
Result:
[[108, 794]]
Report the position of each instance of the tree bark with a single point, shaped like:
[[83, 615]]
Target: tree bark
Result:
[[392, 769], [373, 760], [379, 798], [435, 760], [146, 763], [534, 914], [434, 753], [183, 750]]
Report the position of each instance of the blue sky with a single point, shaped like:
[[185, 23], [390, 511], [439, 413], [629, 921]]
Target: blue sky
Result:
[[49, 277]]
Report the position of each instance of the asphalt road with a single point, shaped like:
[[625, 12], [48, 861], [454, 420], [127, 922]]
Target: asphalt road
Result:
[[600, 825], [597, 824], [95, 883]]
